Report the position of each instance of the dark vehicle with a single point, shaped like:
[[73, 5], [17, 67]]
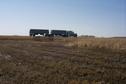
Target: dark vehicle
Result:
[[43, 32], [63, 33], [59, 33], [53, 33], [71, 33]]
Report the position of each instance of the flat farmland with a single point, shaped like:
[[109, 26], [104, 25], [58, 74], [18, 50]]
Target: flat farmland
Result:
[[26, 60]]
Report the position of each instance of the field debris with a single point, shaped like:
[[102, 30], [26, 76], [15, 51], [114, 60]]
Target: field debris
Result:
[[7, 57]]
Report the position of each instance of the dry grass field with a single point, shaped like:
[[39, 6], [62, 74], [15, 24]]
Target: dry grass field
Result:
[[26, 60]]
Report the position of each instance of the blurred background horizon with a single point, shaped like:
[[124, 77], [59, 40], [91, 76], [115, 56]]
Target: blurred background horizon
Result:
[[102, 18]]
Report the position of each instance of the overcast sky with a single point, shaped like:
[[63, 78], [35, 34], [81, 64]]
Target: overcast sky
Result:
[[87, 17]]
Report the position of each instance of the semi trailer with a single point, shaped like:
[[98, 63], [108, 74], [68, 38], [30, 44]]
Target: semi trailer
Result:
[[53, 33], [34, 32]]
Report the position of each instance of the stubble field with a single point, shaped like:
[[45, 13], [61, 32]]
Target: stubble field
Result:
[[26, 60]]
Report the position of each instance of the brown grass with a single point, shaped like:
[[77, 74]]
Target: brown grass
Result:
[[25, 60], [109, 43], [15, 38]]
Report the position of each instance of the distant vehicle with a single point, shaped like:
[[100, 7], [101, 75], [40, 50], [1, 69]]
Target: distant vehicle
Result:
[[63, 33], [53, 33], [71, 33], [34, 32], [59, 33]]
